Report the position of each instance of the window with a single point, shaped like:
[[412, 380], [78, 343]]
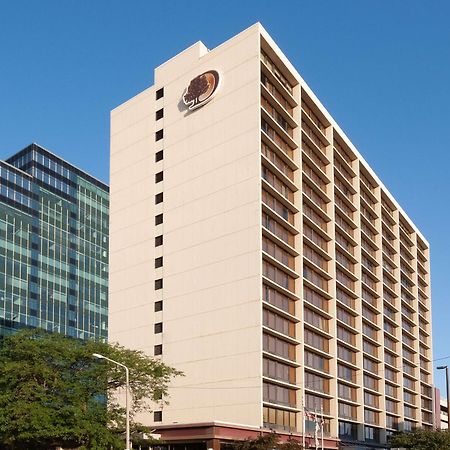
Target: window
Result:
[[346, 354], [391, 422], [371, 417], [371, 434], [316, 362], [158, 240], [158, 219], [316, 340], [370, 399], [159, 114], [158, 262], [158, 284], [278, 347], [315, 319], [346, 373], [390, 390], [346, 411], [348, 430], [278, 418], [278, 323], [157, 350], [316, 383], [370, 382], [159, 177], [159, 93], [278, 371], [158, 306], [159, 155], [346, 392], [159, 198], [158, 327], [157, 416], [159, 135], [278, 394]]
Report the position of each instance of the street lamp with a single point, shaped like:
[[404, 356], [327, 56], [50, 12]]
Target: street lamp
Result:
[[97, 355], [448, 394]]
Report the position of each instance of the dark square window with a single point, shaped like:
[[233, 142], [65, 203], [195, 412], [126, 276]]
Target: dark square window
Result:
[[159, 93], [158, 219], [159, 198], [159, 177], [158, 284], [158, 306], [158, 350], [159, 135], [159, 155], [158, 327], [157, 416], [158, 262], [159, 114], [158, 240]]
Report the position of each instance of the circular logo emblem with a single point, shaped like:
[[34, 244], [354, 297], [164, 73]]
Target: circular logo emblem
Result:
[[201, 89]]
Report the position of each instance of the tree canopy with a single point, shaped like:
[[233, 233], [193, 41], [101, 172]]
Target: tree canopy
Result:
[[53, 391], [421, 440]]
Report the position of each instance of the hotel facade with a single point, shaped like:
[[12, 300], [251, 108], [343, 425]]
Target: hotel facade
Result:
[[253, 248]]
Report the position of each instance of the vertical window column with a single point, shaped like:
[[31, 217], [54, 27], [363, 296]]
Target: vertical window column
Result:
[[159, 219]]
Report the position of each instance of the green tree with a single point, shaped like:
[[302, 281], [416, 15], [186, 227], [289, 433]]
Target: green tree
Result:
[[268, 442], [53, 391], [421, 440]]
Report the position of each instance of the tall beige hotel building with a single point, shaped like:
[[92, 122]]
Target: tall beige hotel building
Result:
[[253, 248]]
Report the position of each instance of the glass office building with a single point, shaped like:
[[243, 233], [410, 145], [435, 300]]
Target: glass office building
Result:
[[53, 246]]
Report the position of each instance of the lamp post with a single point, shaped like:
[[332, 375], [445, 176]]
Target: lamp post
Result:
[[448, 394], [97, 355]]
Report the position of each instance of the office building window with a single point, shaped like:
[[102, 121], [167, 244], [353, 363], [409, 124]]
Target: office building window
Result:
[[159, 93], [158, 262], [158, 327], [159, 135], [159, 177], [158, 219], [159, 114], [158, 240], [159, 155], [158, 306], [157, 350], [158, 284], [159, 198]]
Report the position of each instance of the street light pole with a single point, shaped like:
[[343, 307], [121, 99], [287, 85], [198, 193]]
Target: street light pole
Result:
[[127, 406], [447, 381]]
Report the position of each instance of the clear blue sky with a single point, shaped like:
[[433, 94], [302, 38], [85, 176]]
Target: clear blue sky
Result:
[[382, 68]]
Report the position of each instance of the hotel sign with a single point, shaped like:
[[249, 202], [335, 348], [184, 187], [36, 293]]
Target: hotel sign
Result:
[[201, 89]]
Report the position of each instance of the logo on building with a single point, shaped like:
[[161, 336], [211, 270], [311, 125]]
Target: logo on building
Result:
[[201, 89]]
